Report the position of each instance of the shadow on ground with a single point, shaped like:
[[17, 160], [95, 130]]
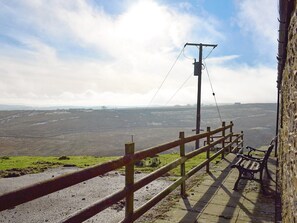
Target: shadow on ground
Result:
[[214, 200]]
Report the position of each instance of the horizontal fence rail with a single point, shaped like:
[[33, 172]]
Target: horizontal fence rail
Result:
[[222, 137]]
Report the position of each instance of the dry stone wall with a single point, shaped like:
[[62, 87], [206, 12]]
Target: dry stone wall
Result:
[[288, 130]]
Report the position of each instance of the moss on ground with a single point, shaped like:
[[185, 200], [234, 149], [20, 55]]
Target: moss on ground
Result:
[[19, 165], [12, 166]]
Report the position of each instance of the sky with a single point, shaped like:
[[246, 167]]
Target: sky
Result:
[[120, 53]]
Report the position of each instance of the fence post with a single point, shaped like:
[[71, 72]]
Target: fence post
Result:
[[231, 135], [207, 152], [236, 143], [241, 138], [223, 142], [129, 181], [183, 165]]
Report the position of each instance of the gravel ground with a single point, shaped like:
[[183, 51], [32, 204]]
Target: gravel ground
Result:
[[56, 206]]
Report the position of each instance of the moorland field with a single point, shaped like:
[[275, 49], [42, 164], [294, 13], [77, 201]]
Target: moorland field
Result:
[[104, 132]]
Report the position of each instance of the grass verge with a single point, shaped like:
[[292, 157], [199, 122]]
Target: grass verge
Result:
[[14, 166]]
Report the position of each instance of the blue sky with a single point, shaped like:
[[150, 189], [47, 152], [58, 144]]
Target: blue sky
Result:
[[117, 53]]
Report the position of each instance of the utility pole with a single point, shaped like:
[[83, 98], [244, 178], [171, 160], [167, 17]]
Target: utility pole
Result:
[[198, 72]]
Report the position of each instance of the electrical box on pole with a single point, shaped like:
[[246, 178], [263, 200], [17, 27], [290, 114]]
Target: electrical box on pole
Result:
[[198, 72], [197, 68]]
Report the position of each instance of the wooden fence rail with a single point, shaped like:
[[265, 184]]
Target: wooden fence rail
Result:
[[223, 136]]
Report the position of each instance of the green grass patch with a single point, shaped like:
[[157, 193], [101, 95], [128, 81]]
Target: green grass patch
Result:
[[34, 161], [168, 158], [19, 165]]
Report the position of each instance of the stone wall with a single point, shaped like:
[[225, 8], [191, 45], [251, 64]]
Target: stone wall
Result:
[[288, 127]]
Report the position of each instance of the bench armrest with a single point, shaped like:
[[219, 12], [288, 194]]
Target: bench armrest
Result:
[[251, 157], [242, 156], [253, 149]]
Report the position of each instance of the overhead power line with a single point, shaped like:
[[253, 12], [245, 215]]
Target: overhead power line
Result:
[[179, 89], [213, 93], [208, 53], [190, 58], [165, 78]]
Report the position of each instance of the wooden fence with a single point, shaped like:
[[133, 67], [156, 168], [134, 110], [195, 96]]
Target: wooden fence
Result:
[[223, 136]]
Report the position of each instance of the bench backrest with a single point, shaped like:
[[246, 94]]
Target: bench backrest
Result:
[[269, 150]]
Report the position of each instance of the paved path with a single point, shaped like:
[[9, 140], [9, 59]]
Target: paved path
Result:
[[214, 200], [56, 206]]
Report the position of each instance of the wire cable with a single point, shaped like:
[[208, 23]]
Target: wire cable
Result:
[[179, 89], [190, 58], [208, 53], [165, 78], [214, 95]]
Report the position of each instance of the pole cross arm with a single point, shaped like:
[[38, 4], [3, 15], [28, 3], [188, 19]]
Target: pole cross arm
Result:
[[201, 44]]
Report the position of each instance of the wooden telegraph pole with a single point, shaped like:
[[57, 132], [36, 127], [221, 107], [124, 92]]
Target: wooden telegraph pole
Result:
[[198, 72]]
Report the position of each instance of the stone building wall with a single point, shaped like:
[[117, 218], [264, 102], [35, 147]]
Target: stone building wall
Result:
[[288, 126]]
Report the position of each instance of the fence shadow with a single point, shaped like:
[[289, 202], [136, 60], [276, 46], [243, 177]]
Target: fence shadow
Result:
[[195, 210], [233, 200]]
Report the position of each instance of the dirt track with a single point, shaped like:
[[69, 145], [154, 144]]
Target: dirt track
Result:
[[54, 207]]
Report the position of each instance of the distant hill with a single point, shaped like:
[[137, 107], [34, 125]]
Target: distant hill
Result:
[[104, 132], [14, 107]]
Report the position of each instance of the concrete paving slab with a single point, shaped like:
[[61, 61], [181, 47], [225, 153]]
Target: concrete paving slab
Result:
[[214, 200]]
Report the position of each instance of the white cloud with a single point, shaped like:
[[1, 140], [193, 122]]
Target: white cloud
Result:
[[244, 83], [136, 47], [80, 86], [220, 60], [259, 19]]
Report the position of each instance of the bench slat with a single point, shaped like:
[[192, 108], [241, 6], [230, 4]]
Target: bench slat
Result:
[[247, 164], [255, 166], [251, 166]]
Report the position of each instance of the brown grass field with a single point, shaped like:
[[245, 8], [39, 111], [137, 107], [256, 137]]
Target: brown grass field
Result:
[[104, 132]]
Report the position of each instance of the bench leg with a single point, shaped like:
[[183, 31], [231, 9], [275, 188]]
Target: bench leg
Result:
[[262, 183], [268, 174], [237, 181]]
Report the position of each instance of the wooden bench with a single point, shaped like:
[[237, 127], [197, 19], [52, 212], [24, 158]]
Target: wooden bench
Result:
[[249, 165]]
